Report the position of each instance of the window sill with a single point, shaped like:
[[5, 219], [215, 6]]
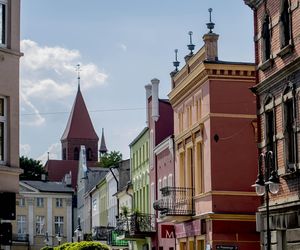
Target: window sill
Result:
[[286, 50], [290, 174], [266, 64]]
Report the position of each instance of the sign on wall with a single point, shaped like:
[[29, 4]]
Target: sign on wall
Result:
[[167, 231]]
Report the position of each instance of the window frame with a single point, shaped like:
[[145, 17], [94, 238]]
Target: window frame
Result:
[[22, 202], [266, 40], [4, 120], [282, 38], [59, 202], [40, 225], [59, 224], [4, 19], [21, 224], [40, 202]]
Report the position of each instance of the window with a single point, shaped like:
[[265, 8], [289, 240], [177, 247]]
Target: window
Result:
[[59, 224], [40, 225], [289, 131], [3, 125], [64, 154], [21, 224], [89, 154], [180, 121], [40, 202], [198, 109], [94, 205], [170, 180], [59, 202], [159, 188], [285, 23], [266, 36], [22, 202], [76, 154], [3, 8], [270, 130], [165, 183]]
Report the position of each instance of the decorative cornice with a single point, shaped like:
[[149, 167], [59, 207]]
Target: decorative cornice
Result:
[[253, 4]]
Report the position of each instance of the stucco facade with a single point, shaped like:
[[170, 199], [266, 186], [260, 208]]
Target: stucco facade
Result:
[[9, 97]]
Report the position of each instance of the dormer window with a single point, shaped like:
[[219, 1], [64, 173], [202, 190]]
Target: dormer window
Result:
[[266, 36], [3, 25], [285, 24]]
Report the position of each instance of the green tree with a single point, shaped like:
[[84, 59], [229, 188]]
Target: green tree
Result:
[[110, 159], [33, 169]]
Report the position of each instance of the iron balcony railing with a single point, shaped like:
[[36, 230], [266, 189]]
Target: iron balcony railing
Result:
[[20, 237], [136, 225], [115, 239], [175, 201], [101, 233]]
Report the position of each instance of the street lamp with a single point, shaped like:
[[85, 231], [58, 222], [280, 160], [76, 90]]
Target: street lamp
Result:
[[78, 230], [59, 237], [267, 181], [46, 240]]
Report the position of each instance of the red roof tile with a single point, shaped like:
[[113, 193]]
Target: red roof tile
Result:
[[79, 124]]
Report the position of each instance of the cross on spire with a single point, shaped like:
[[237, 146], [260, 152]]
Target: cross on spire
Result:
[[78, 74]]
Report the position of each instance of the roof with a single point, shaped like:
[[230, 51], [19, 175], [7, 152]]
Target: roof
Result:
[[228, 62], [79, 125], [94, 177], [49, 186], [139, 136], [57, 169], [103, 148]]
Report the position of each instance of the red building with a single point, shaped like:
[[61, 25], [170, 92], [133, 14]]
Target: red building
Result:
[[277, 50], [212, 202], [160, 123]]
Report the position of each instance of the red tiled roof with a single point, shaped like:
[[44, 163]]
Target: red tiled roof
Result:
[[57, 169], [79, 125]]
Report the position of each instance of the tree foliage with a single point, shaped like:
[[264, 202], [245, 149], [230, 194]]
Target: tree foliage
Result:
[[33, 169], [110, 159]]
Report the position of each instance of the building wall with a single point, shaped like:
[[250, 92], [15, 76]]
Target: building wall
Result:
[[9, 85], [112, 199], [103, 204], [49, 211]]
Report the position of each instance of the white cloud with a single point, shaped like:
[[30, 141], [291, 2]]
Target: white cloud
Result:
[[25, 149], [48, 76], [122, 46], [54, 152]]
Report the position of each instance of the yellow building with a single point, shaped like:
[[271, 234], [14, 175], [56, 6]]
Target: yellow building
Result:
[[43, 212]]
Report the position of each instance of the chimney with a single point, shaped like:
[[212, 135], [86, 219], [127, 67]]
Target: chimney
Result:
[[155, 106], [68, 179], [211, 41], [211, 46], [148, 88]]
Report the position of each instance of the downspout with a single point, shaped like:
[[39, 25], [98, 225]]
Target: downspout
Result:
[[112, 172]]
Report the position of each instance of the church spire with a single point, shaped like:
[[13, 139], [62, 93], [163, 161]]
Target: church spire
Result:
[[103, 148]]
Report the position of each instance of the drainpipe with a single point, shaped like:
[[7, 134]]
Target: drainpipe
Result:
[[112, 172]]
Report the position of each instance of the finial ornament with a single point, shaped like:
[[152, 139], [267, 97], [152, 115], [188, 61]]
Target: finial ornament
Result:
[[78, 74], [210, 25], [191, 46], [176, 63]]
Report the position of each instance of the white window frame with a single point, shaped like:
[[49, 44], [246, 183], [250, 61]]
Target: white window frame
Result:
[[4, 2], [21, 224], [40, 202], [40, 225], [22, 202], [59, 202], [59, 224], [3, 119]]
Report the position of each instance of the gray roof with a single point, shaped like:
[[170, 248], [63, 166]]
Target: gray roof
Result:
[[94, 176], [49, 186]]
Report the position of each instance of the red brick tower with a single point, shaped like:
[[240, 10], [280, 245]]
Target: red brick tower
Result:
[[79, 131]]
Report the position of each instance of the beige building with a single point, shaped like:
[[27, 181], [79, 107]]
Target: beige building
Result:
[[44, 212], [9, 95]]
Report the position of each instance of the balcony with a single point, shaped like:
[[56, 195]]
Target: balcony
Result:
[[20, 238], [114, 239], [175, 201], [101, 233], [136, 225]]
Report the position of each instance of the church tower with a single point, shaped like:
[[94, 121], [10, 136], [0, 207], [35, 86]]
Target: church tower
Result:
[[79, 131]]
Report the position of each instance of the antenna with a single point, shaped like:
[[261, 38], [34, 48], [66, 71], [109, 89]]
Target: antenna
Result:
[[78, 74], [191, 46], [176, 63], [210, 25]]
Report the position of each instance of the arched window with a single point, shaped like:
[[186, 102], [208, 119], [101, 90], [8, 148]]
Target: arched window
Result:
[[64, 156], [285, 23], [76, 154], [269, 122], [89, 154], [266, 35]]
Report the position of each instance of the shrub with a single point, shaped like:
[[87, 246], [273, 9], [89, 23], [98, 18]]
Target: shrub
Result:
[[83, 245], [47, 248]]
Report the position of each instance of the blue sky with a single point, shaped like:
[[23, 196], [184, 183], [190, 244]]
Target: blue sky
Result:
[[121, 46]]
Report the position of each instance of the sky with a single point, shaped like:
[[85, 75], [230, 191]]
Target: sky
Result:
[[121, 45]]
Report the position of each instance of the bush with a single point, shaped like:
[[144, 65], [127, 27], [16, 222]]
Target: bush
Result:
[[83, 245]]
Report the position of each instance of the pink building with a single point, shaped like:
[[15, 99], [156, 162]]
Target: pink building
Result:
[[160, 123]]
